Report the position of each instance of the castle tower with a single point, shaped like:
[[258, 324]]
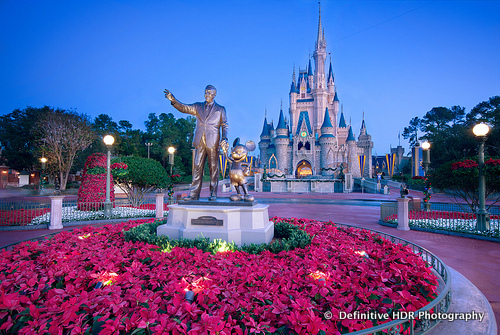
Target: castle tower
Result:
[[327, 142], [319, 90], [281, 142], [353, 154], [365, 143], [265, 141]]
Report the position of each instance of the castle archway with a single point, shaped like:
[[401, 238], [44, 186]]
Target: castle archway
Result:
[[304, 168], [273, 162]]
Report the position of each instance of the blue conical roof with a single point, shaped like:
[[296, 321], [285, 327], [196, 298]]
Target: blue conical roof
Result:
[[336, 98], [293, 89], [330, 73], [265, 129], [342, 123], [326, 122], [350, 135], [309, 70], [281, 122]]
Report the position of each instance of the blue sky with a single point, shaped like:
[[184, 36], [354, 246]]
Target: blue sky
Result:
[[394, 60]]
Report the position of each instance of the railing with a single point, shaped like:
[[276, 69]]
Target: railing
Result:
[[16, 213], [30, 213], [440, 304]]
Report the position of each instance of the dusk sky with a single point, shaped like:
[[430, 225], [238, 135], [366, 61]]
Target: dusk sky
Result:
[[394, 60]]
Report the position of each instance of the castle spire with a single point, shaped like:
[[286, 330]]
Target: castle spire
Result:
[[281, 121], [265, 128], [326, 122], [330, 71], [321, 32], [293, 86]]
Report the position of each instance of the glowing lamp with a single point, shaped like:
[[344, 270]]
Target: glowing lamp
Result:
[[108, 140], [481, 129]]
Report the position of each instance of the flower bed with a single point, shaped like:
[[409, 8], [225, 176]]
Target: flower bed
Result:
[[91, 280], [449, 221]]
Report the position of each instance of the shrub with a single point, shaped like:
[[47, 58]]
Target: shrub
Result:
[[141, 175], [288, 237]]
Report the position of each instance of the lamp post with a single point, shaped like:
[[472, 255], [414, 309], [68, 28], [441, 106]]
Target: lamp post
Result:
[[426, 160], [149, 144], [108, 140], [171, 151], [483, 217], [42, 175]]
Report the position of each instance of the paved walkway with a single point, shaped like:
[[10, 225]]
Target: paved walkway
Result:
[[478, 261]]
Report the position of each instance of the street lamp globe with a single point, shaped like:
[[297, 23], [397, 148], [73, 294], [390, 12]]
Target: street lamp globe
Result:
[[481, 129], [108, 140], [171, 150], [43, 160], [426, 145]]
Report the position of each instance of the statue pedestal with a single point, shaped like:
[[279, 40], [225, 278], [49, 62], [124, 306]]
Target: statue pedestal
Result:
[[219, 220]]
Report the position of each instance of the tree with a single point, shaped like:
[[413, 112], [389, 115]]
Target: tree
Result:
[[164, 131], [411, 132], [460, 180], [17, 138], [65, 134], [141, 176]]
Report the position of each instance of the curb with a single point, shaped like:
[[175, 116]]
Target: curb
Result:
[[467, 298]]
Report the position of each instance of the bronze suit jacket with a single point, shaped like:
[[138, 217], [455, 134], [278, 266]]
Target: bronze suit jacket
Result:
[[208, 121]]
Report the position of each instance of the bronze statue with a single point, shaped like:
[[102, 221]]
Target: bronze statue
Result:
[[240, 170], [210, 122]]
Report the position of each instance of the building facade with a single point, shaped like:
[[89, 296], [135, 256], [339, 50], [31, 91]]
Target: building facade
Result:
[[315, 139]]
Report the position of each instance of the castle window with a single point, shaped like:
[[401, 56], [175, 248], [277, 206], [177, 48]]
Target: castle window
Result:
[[302, 96], [300, 146], [308, 146]]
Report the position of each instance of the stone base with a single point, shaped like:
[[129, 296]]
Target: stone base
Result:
[[241, 225]]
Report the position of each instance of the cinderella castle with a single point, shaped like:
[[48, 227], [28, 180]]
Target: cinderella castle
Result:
[[313, 141]]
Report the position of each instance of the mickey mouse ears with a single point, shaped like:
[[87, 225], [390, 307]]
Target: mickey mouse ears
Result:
[[250, 145]]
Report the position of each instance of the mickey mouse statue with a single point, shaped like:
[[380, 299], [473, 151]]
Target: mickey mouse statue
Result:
[[239, 170]]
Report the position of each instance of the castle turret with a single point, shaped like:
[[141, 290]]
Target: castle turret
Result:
[[331, 81], [281, 142], [294, 92], [265, 140], [366, 144], [342, 130], [327, 142], [353, 154], [310, 76]]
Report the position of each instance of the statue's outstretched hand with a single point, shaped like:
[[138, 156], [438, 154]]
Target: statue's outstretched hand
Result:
[[224, 146], [169, 95]]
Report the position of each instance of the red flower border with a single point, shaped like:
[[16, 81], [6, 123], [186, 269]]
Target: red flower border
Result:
[[91, 279]]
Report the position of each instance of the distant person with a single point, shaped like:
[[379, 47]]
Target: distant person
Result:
[[210, 122]]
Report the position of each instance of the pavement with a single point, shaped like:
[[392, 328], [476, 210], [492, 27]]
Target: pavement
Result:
[[471, 260]]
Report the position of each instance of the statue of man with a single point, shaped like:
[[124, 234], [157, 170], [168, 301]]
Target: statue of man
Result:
[[210, 122]]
